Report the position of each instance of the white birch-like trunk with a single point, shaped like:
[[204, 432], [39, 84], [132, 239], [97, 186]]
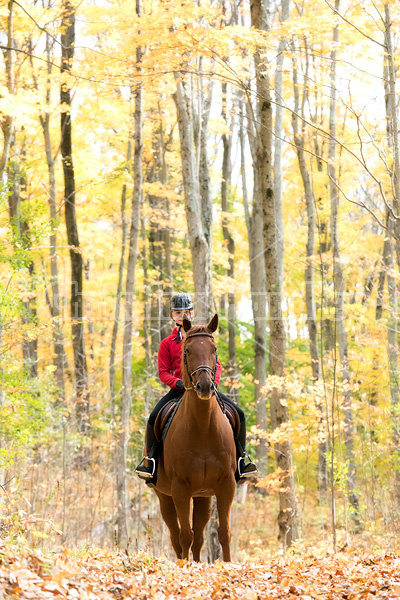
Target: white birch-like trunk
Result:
[[232, 373], [148, 325], [278, 139], [339, 285], [259, 305], [121, 266]]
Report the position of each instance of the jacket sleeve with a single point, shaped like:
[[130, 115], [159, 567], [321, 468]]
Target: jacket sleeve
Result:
[[164, 366], [218, 373]]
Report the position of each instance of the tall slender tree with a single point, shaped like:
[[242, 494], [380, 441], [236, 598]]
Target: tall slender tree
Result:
[[253, 216], [121, 268], [230, 246], [339, 286], [197, 204], [7, 126], [77, 326], [388, 249], [54, 303], [287, 518], [300, 141], [7, 121], [126, 395], [284, 15]]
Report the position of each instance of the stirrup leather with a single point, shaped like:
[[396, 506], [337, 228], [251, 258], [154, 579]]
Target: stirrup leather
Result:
[[146, 474]]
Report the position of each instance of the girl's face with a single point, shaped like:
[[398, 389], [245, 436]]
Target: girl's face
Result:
[[178, 315]]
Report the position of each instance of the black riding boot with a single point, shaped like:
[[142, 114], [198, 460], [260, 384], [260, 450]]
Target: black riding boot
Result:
[[148, 471], [244, 469]]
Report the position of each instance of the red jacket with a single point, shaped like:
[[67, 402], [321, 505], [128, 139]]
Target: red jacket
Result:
[[169, 360]]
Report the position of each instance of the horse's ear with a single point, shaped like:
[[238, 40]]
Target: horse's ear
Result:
[[186, 324], [213, 324]]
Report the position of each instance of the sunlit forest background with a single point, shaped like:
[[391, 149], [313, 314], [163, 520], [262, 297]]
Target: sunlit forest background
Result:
[[248, 155]]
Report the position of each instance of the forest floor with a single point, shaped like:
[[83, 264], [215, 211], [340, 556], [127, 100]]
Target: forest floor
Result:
[[26, 573]]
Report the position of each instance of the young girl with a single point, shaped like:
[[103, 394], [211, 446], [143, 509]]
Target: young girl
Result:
[[169, 371]]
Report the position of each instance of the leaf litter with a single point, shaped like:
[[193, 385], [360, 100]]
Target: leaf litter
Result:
[[89, 575]]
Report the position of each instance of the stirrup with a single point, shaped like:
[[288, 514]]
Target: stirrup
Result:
[[142, 471], [246, 470]]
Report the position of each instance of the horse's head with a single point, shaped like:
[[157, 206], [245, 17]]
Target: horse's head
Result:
[[200, 357]]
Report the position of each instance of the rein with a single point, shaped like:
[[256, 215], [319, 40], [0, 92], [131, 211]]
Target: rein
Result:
[[209, 370]]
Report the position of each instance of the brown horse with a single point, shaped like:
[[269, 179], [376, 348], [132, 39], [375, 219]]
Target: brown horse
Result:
[[198, 459]]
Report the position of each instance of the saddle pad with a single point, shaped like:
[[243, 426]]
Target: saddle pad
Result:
[[166, 413], [232, 415]]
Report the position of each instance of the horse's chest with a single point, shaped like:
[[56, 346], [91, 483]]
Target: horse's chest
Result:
[[199, 456], [203, 468]]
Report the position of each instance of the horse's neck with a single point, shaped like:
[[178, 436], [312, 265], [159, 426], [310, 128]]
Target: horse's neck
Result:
[[202, 411]]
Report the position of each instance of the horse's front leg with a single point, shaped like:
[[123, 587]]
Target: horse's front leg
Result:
[[168, 513], [225, 495], [181, 498], [201, 516]]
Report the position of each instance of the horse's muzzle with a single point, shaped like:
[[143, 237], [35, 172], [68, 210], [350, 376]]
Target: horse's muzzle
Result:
[[204, 387]]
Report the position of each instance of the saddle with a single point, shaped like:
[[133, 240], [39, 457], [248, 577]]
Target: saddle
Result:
[[168, 411], [164, 418]]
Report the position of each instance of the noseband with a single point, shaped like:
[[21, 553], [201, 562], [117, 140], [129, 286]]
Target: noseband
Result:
[[209, 370]]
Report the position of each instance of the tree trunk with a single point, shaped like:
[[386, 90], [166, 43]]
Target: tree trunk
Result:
[[278, 138], [393, 355], [259, 306], [205, 189], [119, 288], [147, 325], [392, 116], [7, 122], [199, 244], [58, 338], [232, 373], [156, 254], [287, 518], [388, 251], [77, 328], [123, 437], [159, 246], [299, 140], [7, 128], [200, 133], [165, 236], [339, 285]]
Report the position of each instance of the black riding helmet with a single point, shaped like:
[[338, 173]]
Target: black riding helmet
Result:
[[181, 301]]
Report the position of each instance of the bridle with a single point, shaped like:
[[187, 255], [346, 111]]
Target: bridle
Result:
[[209, 370]]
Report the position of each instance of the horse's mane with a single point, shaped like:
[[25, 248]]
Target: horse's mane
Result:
[[193, 329]]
